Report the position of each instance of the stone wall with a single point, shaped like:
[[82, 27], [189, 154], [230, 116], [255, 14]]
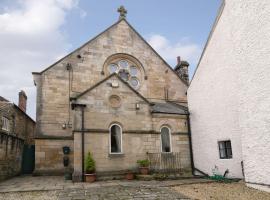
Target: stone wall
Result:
[[21, 132], [135, 147], [141, 129], [49, 156], [56, 85], [53, 84]]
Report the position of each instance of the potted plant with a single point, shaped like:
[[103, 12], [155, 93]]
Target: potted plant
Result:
[[90, 168], [130, 175], [144, 166]]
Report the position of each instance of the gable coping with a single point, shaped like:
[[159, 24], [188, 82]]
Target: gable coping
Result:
[[105, 79], [106, 31]]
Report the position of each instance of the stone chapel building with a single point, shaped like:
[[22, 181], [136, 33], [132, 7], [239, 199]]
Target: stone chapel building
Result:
[[114, 96]]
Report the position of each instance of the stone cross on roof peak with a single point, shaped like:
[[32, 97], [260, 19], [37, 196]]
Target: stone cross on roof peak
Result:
[[122, 12]]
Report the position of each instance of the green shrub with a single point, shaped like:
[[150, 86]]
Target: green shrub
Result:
[[143, 163], [90, 165]]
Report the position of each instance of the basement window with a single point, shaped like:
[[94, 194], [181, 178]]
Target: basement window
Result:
[[115, 139], [225, 149]]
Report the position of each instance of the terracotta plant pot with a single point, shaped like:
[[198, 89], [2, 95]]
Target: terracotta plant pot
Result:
[[144, 170], [129, 175], [90, 178]]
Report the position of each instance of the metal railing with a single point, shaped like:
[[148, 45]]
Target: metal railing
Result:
[[165, 162]]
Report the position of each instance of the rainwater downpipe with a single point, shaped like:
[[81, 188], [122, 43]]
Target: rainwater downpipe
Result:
[[190, 145], [82, 142]]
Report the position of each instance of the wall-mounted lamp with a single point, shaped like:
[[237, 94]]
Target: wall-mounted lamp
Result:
[[137, 105], [64, 126]]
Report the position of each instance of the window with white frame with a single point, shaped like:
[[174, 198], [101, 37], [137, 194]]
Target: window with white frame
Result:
[[165, 139], [115, 139], [5, 123]]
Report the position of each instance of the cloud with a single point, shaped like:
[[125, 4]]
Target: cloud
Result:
[[31, 38], [184, 48]]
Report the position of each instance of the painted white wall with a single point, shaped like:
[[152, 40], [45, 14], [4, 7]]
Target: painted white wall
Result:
[[229, 96]]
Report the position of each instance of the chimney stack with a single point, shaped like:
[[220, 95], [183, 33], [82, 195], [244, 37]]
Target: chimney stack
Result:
[[22, 100], [178, 60], [182, 69]]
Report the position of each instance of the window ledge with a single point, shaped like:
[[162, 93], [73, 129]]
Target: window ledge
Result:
[[116, 155]]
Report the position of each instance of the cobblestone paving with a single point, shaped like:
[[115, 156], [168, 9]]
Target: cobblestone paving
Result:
[[56, 188], [121, 193]]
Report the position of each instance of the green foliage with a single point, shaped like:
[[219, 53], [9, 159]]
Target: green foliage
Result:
[[220, 178], [143, 163], [90, 165]]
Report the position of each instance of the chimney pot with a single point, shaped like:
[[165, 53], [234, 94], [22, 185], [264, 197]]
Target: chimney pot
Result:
[[22, 100], [178, 59]]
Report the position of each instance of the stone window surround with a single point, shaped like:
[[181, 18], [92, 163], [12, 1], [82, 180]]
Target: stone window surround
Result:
[[121, 139], [170, 137], [123, 56], [116, 61]]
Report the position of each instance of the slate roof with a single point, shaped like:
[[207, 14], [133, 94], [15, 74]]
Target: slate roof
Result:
[[169, 108]]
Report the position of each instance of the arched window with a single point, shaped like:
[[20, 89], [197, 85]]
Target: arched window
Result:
[[165, 139], [115, 139]]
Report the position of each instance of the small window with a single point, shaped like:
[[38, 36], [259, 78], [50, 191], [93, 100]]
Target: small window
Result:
[[165, 139], [5, 123], [123, 64], [134, 82], [113, 68], [133, 71], [225, 149], [115, 139]]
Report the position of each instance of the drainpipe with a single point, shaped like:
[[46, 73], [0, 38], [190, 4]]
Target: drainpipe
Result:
[[190, 145], [82, 131], [82, 106]]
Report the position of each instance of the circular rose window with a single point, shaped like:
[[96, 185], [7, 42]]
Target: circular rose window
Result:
[[115, 101], [127, 70]]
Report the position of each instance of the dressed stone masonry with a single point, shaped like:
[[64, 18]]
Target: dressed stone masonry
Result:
[[117, 93]]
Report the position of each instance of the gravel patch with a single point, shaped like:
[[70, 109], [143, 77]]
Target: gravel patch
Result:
[[221, 191], [40, 195]]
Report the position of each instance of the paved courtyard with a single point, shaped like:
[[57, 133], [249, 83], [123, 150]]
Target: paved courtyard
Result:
[[55, 188]]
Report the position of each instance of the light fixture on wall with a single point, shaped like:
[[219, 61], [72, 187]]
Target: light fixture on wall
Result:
[[137, 105], [64, 126]]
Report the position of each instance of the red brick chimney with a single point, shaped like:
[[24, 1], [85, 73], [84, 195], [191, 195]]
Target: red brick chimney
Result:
[[22, 100]]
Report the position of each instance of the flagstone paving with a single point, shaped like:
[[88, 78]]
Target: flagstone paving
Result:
[[55, 188]]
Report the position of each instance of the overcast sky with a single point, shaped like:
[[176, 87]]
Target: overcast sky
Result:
[[35, 33]]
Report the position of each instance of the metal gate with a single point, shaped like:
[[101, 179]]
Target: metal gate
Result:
[[28, 159], [165, 162]]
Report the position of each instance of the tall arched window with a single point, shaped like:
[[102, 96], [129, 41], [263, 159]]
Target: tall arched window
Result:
[[115, 139], [165, 139]]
